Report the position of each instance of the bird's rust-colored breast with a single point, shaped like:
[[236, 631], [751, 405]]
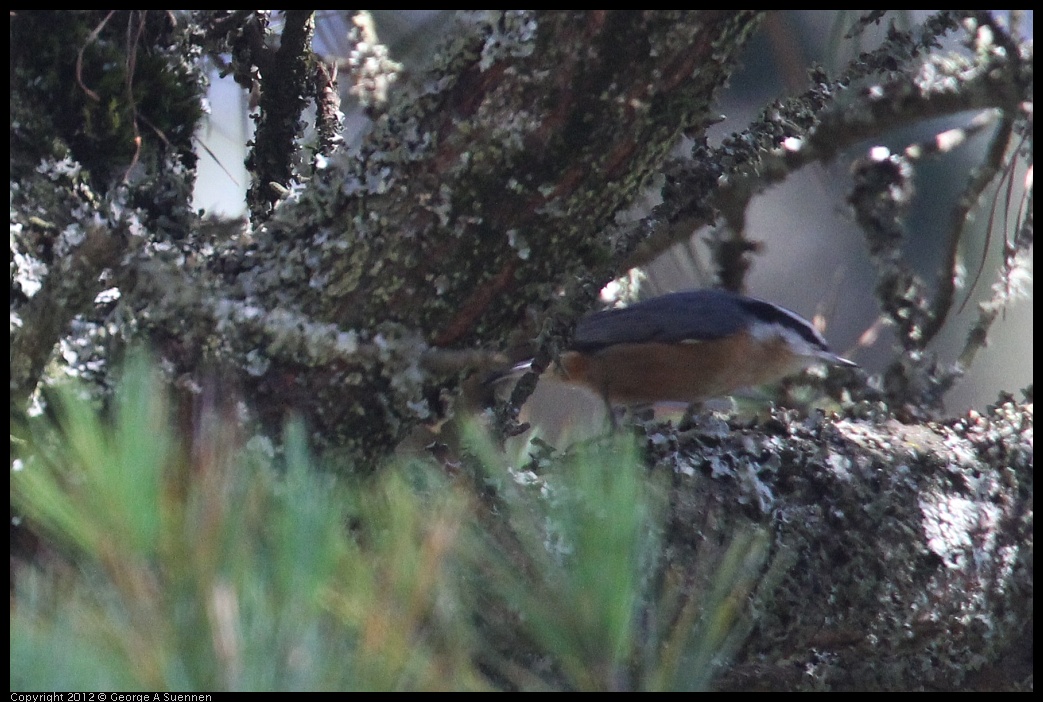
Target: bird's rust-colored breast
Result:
[[689, 371]]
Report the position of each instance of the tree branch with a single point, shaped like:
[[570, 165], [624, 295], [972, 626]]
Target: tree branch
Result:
[[532, 133]]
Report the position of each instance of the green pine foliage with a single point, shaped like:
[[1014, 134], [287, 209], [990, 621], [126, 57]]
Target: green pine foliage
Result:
[[222, 564]]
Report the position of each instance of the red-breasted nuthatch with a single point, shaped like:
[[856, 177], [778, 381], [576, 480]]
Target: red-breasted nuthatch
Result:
[[690, 346]]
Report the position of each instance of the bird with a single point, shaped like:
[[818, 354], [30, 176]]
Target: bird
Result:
[[689, 346]]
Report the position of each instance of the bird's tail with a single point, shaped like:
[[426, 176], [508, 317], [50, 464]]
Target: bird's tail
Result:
[[506, 373]]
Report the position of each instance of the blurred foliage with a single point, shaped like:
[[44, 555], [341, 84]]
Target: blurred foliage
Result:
[[223, 564]]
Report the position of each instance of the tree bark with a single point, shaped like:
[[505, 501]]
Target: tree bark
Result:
[[486, 195]]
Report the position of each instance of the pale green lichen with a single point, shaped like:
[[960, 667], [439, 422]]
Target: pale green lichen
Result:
[[910, 546], [512, 35]]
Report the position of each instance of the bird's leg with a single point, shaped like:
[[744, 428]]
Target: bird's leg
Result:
[[610, 412], [688, 418]]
